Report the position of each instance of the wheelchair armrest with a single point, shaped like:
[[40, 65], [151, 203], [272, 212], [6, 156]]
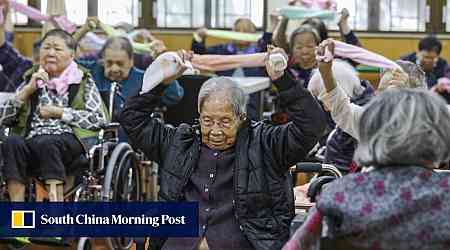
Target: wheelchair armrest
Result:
[[111, 125], [316, 186]]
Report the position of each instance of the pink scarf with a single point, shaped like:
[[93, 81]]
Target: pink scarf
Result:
[[71, 75]]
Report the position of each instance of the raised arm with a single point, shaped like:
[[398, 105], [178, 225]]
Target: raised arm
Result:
[[146, 132], [345, 114], [290, 143], [89, 25], [347, 35]]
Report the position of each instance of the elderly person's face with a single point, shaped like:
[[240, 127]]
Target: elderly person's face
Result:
[[303, 48], [219, 124], [117, 64], [55, 56]]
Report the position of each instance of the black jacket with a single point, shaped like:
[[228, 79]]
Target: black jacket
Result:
[[263, 203]]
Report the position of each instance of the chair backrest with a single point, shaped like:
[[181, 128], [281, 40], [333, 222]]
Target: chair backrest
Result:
[[186, 110]]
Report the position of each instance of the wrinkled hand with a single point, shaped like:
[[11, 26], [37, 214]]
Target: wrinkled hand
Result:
[[157, 47], [92, 23], [5, 10], [344, 16], [399, 79], [275, 17], [273, 73], [292, 2], [40, 75], [50, 111], [325, 55], [186, 56], [202, 33]]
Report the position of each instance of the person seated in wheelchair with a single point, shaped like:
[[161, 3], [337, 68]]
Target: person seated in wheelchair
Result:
[[55, 110], [235, 168], [398, 201], [116, 65]]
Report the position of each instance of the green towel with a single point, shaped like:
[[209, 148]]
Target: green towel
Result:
[[295, 12], [233, 35], [367, 69], [138, 48]]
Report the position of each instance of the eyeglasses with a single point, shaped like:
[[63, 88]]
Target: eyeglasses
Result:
[[222, 123]]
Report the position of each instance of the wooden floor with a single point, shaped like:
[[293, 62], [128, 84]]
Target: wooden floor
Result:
[[98, 245]]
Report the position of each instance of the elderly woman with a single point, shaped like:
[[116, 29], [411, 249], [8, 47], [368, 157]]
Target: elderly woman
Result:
[[235, 168], [55, 110], [400, 202], [346, 114]]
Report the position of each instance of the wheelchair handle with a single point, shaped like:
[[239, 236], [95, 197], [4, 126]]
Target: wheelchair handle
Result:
[[314, 167], [307, 167]]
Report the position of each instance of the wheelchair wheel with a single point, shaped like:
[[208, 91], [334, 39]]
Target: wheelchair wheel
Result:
[[122, 183], [84, 244]]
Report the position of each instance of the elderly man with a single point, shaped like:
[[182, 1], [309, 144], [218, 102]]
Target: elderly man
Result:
[[235, 168]]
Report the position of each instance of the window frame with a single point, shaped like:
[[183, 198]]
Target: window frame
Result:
[[208, 12], [436, 25]]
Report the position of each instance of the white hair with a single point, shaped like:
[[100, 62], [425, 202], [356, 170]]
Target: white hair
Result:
[[402, 126], [228, 88], [345, 76]]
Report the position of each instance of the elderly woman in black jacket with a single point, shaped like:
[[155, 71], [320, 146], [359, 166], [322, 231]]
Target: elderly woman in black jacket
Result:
[[235, 168]]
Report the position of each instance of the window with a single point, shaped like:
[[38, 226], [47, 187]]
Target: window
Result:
[[402, 15], [394, 15], [209, 13], [18, 18], [180, 13], [225, 12], [76, 10], [113, 12], [358, 10], [446, 17]]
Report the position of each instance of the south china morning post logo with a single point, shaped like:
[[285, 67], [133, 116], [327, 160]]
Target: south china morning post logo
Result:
[[100, 219], [23, 219]]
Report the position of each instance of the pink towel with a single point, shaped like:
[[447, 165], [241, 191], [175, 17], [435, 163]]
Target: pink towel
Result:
[[71, 75], [221, 62], [343, 50], [358, 55], [36, 15]]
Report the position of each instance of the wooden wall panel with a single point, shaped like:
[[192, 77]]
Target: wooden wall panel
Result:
[[390, 47]]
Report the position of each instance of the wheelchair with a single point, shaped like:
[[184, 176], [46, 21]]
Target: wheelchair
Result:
[[325, 173], [112, 172]]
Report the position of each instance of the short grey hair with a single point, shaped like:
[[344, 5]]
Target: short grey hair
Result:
[[404, 127], [224, 86]]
